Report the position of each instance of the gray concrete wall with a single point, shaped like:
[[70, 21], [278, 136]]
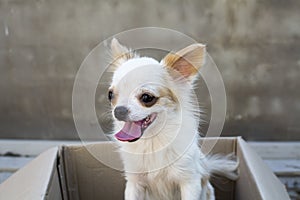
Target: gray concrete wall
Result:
[[255, 44]]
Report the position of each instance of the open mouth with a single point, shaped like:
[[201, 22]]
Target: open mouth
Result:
[[133, 130]]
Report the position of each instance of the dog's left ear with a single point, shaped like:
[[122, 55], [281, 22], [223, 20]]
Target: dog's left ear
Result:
[[186, 62], [117, 49], [120, 53]]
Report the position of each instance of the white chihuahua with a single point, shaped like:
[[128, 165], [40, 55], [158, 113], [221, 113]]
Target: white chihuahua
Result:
[[156, 123]]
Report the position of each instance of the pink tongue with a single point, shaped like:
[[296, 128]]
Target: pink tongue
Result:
[[131, 131]]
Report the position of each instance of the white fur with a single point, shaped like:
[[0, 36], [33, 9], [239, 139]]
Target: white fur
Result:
[[166, 162]]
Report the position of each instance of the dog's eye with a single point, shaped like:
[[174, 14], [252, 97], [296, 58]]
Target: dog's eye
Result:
[[148, 100], [110, 95]]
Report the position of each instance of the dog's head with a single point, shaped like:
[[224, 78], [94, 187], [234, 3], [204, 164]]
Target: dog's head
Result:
[[147, 95]]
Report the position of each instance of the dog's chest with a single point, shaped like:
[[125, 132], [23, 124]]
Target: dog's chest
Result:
[[161, 185]]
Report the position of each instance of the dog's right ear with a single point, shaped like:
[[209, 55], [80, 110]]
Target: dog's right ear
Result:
[[120, 53], [186, 62]]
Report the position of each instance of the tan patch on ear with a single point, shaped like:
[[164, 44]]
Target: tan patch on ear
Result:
[[120, 53], [186, 61]]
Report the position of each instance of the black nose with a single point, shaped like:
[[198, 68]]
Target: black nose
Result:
[[121, 113]]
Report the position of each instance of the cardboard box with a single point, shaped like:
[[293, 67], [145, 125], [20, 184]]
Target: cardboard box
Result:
[[71, 172]]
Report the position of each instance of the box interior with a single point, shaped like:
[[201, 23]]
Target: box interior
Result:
[[87, 178]]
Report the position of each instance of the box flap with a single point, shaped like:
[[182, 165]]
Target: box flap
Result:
[[219, 145], [34, 180], [256, 181]]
